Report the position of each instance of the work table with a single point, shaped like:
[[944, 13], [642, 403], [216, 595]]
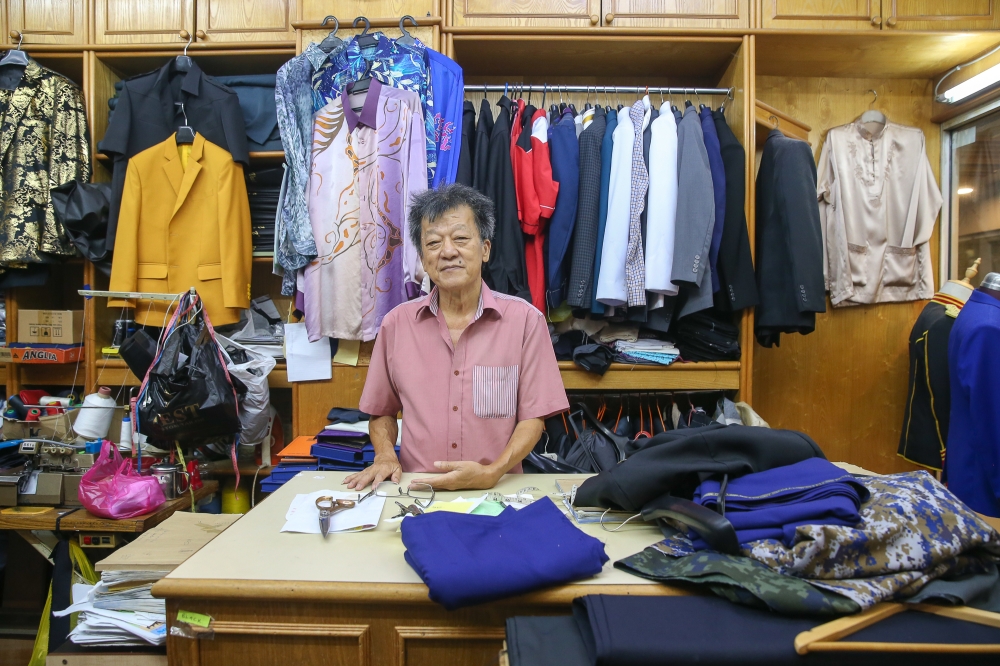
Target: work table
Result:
[[353, 593]]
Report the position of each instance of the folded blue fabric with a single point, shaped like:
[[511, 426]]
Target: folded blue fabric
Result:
[[467, 560], [771, 504]]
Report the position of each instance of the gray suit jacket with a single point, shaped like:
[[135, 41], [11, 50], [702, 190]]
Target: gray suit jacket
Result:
[[695, 216]]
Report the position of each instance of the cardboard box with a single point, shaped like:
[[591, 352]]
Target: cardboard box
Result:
[[71, 489], [60, 327], [40, 353], [58, 427], [48, 491], [5, 355]]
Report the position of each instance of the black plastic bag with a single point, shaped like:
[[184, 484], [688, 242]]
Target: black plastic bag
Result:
[[187, 395]]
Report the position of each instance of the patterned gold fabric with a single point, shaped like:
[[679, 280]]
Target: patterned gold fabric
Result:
[[43, 144]]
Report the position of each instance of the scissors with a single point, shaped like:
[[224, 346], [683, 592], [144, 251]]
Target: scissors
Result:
[[327, 507]]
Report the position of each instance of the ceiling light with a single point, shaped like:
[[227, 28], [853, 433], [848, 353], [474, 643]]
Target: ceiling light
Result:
[[964, 190], [969, 88]]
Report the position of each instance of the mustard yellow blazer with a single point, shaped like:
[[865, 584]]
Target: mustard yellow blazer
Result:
[[182, 226]]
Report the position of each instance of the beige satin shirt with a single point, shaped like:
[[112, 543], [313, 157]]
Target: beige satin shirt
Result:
[[878, 201]]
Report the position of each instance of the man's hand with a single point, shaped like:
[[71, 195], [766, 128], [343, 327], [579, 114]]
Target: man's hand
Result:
[[381, 470], [462, 475]]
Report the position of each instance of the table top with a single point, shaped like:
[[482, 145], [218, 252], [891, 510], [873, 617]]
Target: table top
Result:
[[80, 520], [254, 549]]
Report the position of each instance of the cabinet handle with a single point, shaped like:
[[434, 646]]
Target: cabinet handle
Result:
[[594, 19], [876, 21], [200, 34], [185, 34], [891, 21], [609, 17]]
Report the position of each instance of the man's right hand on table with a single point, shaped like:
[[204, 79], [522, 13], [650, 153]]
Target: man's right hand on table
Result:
[[383, 469]]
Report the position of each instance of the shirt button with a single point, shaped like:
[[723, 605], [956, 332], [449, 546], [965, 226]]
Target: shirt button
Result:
[[454, 445], [455, 408], [456, 373]]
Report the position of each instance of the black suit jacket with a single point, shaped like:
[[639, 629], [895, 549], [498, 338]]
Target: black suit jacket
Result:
[[738, 285], [789, 241], [146, 115], [579, 288], [464, 175]]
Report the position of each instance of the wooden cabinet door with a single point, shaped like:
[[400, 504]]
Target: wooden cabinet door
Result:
[[677, 13], [346, 10], [142, 21], [47, 21], [941, 14], [555, 13], [245, 20], [823, 14]]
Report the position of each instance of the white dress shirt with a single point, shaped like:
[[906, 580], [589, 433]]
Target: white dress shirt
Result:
[[661, 216], [878, 201], [611, 282]]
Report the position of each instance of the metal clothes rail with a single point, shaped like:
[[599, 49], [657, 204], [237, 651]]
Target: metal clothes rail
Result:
[[543, 87]]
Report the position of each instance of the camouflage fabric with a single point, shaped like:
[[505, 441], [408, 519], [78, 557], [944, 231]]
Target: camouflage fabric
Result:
[[912, 531], [740, 580]]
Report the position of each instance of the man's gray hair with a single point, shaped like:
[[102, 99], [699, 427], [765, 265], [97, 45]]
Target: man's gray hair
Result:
[[433, 204]]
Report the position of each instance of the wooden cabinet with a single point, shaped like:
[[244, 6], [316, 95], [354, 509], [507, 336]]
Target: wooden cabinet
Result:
[[141, 21], [940, 15], [47, 21], [677, 13], [821, 14], [540, 13], [346, 10], [245, 20]]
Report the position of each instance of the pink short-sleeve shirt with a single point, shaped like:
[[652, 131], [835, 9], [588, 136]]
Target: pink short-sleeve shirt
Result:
[[462, 402]]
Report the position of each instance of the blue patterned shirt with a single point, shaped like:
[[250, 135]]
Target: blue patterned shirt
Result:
[[392, 64]]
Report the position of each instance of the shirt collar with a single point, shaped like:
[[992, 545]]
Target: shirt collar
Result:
[[369, 111], [487, 301], [316, 55], [870, 136]]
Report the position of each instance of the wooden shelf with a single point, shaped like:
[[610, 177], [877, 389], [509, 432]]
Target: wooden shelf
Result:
[[115, 372], [713, 375], [768, 118], [225, 468]]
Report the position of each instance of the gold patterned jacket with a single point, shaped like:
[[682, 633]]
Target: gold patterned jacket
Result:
[[43, 144]]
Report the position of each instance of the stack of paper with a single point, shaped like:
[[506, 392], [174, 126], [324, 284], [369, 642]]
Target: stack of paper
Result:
[[119, 610]]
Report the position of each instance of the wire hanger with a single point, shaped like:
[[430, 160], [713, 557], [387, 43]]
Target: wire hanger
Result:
[[364, 39], [185, 133], [332, 42], [873, 115], [407, 39], [729, 96], [15, 57], [587, 106], [183, 62]]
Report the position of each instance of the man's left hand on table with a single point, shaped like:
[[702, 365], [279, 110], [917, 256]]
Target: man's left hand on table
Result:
[[462, 475]]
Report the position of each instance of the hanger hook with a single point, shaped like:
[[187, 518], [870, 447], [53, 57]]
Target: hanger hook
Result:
[[368, 25], [402, 25], [190, 39], [661, 96], [587, 101], [336, 23], [484, 91], [873, 100], [20, 39]]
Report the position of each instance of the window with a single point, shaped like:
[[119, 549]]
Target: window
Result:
[[970, 179]]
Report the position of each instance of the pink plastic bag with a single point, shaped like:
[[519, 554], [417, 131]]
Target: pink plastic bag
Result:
[[113, 489]]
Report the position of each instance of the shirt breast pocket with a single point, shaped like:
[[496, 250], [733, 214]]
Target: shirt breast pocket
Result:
[[494, 390]]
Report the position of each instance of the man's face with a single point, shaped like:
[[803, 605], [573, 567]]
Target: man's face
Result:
[[453, 253]]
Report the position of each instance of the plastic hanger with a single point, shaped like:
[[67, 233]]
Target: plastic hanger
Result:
[[183, 62], [185, 133], [15, 57], [362, 84], [407, 39], [587, 106], [873, 115], [332, 42], [364, 39]]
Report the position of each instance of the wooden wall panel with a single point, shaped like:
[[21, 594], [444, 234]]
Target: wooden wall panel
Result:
[[245, 20], [677, 13], [845, 383]]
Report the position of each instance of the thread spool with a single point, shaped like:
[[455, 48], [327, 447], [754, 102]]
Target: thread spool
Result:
[[34, 413], [14, 402], [96, 414], [54, 401], [11, 413], [125, 438]]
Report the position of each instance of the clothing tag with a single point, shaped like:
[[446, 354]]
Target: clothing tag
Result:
[[550, 456], [197, 619]]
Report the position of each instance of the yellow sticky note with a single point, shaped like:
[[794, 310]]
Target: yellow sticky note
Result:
[[197, 619], [452, 507], [347, 352]]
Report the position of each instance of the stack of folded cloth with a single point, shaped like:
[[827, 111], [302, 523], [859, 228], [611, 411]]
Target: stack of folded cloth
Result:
[[264, 192], [708, 336], [345, 447], [645, 350], [771, 504], [470, 559]]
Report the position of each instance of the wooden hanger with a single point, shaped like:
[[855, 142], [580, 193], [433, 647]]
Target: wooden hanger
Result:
[[826, 637]]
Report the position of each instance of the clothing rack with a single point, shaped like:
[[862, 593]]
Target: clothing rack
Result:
[[542, 87], [132, 295]]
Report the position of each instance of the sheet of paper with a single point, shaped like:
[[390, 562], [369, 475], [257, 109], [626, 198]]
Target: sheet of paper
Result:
[[347, 352], [307, 361], [303, 516], [488, 509], [457, 505]]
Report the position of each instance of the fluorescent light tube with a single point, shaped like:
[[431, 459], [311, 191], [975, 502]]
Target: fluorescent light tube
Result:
[[969, 88]]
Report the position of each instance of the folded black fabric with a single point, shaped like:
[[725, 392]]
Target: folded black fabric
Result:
[[593, 358], [673, 462], [345, 415], [544, 641], [260, 113], [467, 559], [636, 631]]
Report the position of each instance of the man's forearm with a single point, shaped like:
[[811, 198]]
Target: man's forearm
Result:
[[384, 431], [521, 441]]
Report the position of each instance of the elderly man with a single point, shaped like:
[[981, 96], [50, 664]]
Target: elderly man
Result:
[[473, 370]]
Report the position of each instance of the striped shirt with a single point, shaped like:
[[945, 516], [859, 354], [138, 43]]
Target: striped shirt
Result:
[[462, 402]]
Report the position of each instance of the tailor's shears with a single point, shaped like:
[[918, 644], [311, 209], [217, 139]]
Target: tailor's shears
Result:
[[327, 507]]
